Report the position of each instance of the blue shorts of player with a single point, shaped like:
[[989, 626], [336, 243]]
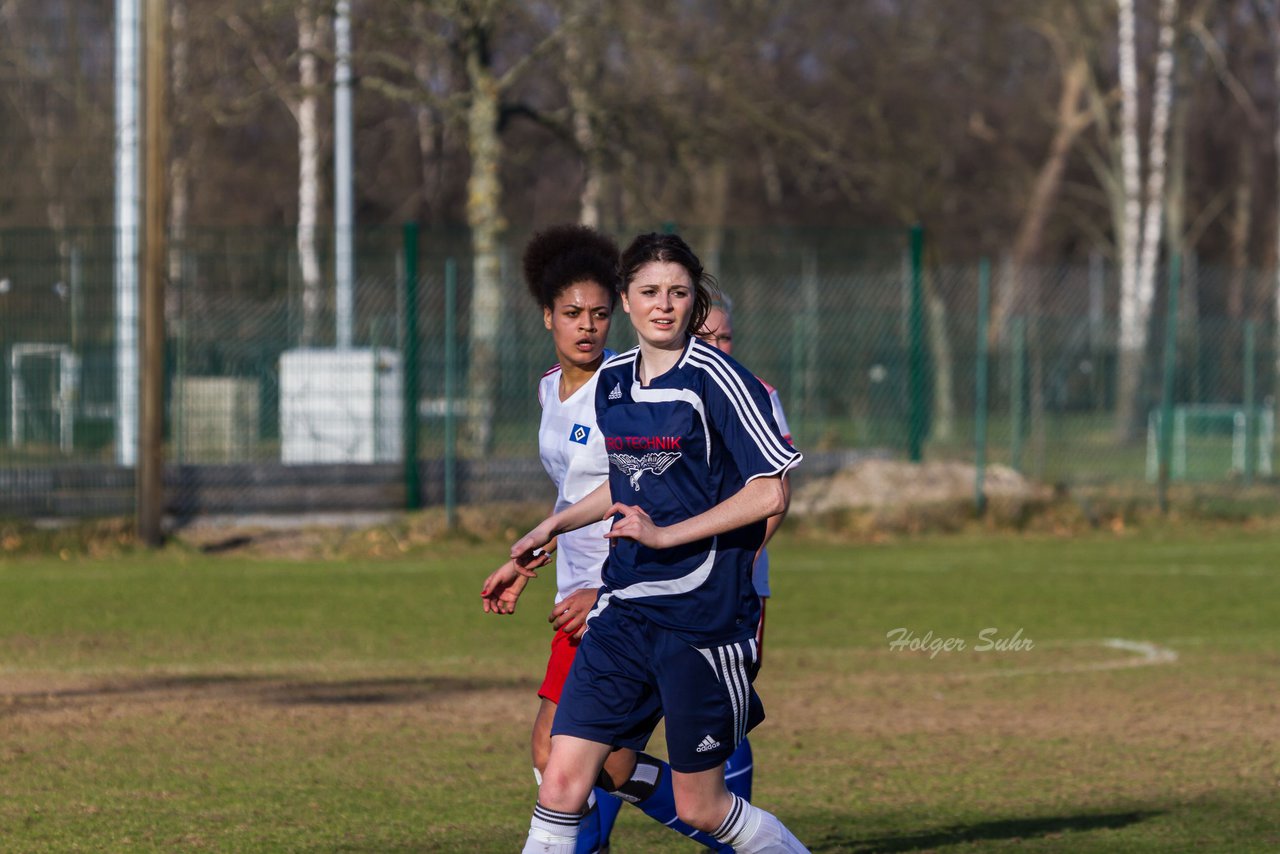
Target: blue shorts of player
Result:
[[629, 673]]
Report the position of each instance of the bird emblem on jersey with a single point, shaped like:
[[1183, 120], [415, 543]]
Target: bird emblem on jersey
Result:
[[656, 462]]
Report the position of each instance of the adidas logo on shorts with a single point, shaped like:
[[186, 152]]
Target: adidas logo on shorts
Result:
[[707, 743], [616, 393]]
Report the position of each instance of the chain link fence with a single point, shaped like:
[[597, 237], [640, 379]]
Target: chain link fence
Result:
[[872, 351]]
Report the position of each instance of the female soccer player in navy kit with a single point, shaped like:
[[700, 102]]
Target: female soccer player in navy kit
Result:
[[571, 271], [695, 468], [717, 331]]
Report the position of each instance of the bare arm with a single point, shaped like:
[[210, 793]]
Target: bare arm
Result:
[[587, 511], [771, 526], [760, 499]]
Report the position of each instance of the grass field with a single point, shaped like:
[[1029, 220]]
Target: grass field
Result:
[[190, 702]]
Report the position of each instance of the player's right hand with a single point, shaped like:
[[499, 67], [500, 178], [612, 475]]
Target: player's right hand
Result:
[[530, 552], [502, 590]]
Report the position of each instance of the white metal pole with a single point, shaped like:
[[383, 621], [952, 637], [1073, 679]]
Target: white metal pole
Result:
[[344, 177], [127, 206]]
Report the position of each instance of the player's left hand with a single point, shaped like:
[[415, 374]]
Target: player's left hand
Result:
[[635, 524], [570, 614], [532, 550]]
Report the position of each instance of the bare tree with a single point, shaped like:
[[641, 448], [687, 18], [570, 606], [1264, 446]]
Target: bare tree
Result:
[[41, 53], [1140, 226], [1271, 15], [302, 100], [470, 31], [1062, 28], [582, 68]]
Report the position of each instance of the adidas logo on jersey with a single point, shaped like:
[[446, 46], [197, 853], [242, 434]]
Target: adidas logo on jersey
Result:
[[707, 743], [616, 394]]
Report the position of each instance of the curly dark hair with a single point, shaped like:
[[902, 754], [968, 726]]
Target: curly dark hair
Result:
[[565, 255], [671, 248]]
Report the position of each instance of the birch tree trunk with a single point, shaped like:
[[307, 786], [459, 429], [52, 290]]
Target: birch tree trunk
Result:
[[1139, 243], [580, 70], [944, 397], [484, 216], [307, 114]]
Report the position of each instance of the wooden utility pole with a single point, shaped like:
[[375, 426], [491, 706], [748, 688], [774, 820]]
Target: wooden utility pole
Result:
[[150, 471]]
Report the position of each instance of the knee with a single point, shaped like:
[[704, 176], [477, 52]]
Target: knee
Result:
[[563, 789], [700, 814]]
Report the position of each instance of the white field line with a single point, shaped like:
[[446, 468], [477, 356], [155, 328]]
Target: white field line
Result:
[[1144, 654]]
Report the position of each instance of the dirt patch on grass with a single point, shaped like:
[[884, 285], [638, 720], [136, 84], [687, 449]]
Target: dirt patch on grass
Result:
[[34, 696], [856, 746], [921, 697]]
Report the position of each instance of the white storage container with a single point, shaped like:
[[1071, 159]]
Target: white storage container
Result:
[[340, 406]]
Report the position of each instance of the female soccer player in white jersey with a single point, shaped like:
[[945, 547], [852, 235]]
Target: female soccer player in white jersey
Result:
[[571, 272], [695, 468]]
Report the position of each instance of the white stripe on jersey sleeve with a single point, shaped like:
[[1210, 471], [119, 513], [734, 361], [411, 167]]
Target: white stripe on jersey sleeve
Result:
[[735, 389], [773, 449]]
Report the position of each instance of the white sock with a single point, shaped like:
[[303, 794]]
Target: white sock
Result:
[[751, 830], [552, 832]]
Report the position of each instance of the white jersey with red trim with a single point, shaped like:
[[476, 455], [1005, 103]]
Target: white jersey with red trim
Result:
[[573, 453]]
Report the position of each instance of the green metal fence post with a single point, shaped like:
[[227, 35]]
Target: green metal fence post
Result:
[[980, 391], [1017, 405], [1250, 416], [915, 351], [450, 392], [1166, 391], [412, 478]]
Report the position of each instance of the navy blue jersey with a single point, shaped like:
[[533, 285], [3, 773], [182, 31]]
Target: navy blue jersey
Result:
[[678, 447]]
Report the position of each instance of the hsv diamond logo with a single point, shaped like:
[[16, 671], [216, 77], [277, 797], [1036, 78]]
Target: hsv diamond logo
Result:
[[656, 462], [579, 434]]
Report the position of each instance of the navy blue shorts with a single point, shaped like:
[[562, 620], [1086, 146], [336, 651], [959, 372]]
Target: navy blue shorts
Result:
[[629, 673]]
